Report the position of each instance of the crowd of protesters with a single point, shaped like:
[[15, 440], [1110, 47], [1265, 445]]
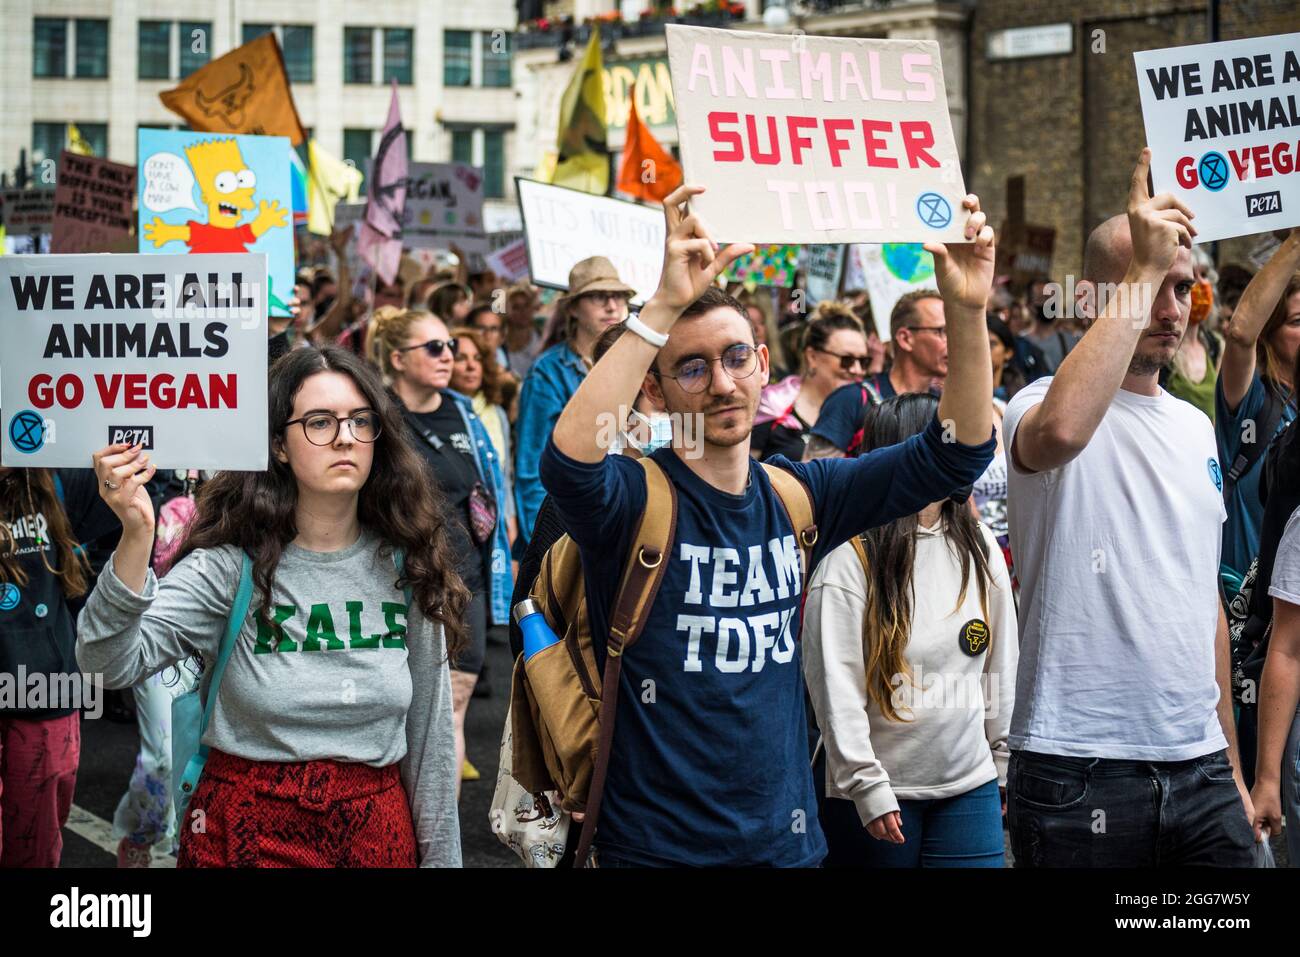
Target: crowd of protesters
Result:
[[1046, 544]]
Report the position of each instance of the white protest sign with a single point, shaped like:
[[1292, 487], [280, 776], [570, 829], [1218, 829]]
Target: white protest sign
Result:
[[821, 265], [168, 183], [510, 262], [444, 205], [564, 226], [803, 139], [169, 351], [1223, 124], [889, 271]]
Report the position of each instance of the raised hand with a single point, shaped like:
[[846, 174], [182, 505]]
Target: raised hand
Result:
[[122, 471], [269, 214], [160, 233], [691, 259], [1158, 224], [964, 271]]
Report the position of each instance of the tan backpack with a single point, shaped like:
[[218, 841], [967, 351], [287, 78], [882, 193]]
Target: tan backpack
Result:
[[562, 726]]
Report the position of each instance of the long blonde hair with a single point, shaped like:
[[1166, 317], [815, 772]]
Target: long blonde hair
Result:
[[388, 330]]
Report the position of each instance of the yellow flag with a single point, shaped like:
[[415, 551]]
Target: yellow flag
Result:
[[583, 161], [329, 180], [77, 143]]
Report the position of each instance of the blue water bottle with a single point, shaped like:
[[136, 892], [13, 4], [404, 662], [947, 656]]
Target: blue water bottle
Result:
[[537, 633]]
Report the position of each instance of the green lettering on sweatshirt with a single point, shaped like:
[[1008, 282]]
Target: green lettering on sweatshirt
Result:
[[355, 638], [320, 624], [396, 637], [266, 633]]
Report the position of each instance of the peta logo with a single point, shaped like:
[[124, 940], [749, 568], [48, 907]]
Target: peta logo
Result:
[[131, 434], [103, 910], [1264, 204]]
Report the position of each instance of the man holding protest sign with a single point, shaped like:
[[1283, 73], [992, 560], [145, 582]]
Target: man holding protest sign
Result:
[[709, 760], [1123, 747]]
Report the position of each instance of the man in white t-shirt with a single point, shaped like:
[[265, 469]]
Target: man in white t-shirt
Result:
[[1123, 747]]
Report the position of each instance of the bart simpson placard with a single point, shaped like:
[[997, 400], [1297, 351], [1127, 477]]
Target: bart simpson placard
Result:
[[209, 193]]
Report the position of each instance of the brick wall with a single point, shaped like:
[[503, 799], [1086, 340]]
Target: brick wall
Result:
[[1072, 124]]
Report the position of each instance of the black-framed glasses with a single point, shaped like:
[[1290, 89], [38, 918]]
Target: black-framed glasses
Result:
[[322, 428], [847, 361], [940, 331], [696, 375], [434, 346], [603, 296]]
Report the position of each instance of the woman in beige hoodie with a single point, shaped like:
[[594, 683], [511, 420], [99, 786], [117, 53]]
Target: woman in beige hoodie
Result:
[[910, 646]]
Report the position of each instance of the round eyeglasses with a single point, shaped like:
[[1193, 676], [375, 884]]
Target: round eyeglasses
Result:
[[322, 428], [696, 374]]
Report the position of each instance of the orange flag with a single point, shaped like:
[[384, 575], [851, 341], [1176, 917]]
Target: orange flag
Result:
[[245, 91], [649, 171]]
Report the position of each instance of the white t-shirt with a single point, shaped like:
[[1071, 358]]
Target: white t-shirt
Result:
[[1285, 583], [1118, 554]]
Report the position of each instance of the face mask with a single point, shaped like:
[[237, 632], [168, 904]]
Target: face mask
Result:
[[658, 427], [1202, 300]]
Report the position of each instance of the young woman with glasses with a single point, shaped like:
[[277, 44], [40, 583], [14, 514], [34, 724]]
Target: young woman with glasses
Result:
[[834, 354], [417, 354], [331, 739]]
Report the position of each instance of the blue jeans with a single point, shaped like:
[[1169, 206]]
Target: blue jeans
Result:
[[1101, 812], [960, 831]]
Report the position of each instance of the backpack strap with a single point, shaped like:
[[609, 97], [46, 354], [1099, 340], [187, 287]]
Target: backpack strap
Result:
[[238, 612], [1251, 453], [797, 499], [636, 594]]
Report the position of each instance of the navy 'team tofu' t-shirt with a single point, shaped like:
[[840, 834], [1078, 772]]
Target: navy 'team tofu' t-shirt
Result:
[[710, 758]]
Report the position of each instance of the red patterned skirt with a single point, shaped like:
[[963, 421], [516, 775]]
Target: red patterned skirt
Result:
[[309, 814]]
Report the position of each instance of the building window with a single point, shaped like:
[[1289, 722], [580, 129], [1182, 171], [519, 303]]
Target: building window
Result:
[[496, 59], [48, 140], [252, 31], [51, 139], [462, 146], [92, 48], [50, 54], [356, 147], [194, 35], [358, 55], [457, 57], [96, 136], [155, 45], [299, 54], [398, 49], [494, 164]]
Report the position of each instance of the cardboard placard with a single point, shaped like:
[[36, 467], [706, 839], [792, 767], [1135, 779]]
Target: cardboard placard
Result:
[[1223, 124], [822, 266], [888, 271], [564, 226], [444, 205], [804, 139], [201, 193], [92, 205]]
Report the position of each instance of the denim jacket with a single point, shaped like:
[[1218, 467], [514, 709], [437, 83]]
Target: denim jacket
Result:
[[551, 382], [501, 584]]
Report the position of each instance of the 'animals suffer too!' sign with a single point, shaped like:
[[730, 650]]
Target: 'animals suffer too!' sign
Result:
[[803, 139], [168, 351], [1223, 124]]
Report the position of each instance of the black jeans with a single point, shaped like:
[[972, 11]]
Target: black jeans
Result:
[[1099, 812]]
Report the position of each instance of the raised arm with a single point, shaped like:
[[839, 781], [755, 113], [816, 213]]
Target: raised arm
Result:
[[331, 324], [1061, 426], [964, 274], [1252, 312], [691, 264]]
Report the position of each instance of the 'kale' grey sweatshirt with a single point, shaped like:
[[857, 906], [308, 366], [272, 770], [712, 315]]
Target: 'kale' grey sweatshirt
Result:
[[341, 676]]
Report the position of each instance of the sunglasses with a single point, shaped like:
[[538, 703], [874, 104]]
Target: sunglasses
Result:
[[434, 346], [847, 362]]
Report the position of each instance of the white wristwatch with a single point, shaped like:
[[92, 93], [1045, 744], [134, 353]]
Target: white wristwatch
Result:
[[656, 339]]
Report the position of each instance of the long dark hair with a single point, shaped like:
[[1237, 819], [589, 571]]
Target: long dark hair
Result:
[[891, 555], [32, 492], [255, 511]]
